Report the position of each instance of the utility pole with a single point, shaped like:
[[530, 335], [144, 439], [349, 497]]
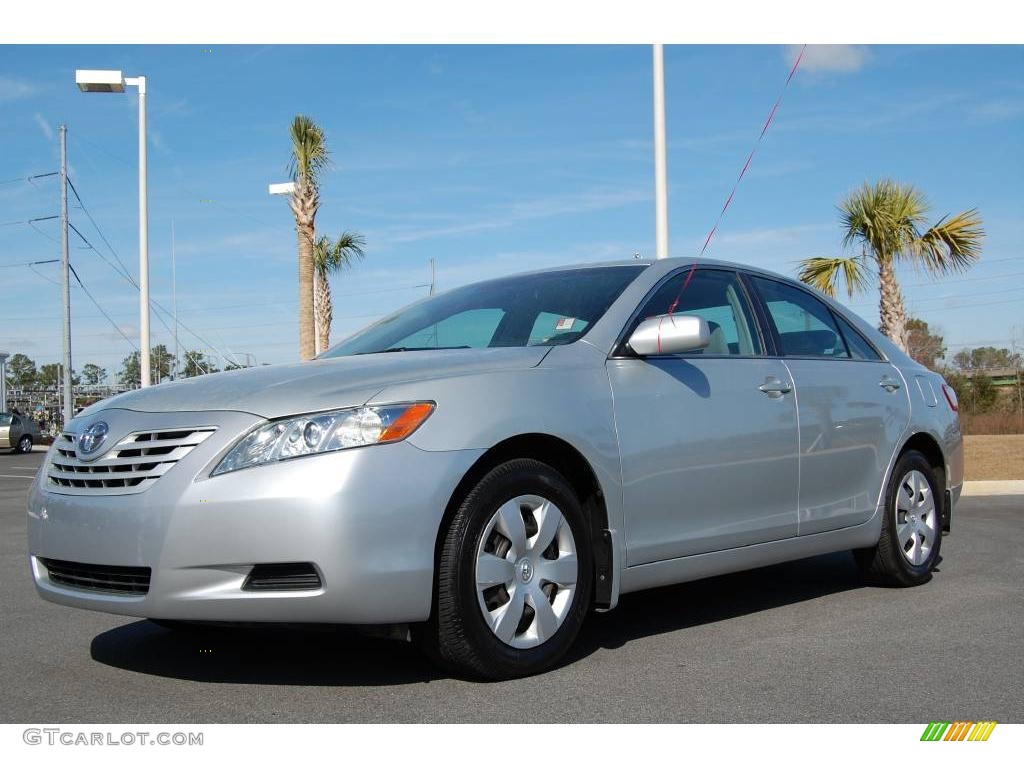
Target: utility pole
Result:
[[65, 285], [174, 302], [660, 162], [433, 277], [3, 381]]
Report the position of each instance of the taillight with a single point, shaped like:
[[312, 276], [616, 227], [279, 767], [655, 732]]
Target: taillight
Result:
[[950, 394]]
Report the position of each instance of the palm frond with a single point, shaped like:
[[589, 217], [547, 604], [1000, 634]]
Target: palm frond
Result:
[[951, 245], [823, 273], [885, 216], [335, 255], [309, 151]]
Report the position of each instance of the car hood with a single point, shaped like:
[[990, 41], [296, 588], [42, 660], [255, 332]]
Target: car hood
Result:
[[283, 390]]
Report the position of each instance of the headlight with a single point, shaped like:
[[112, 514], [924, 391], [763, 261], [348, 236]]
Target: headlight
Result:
[[323, 432]]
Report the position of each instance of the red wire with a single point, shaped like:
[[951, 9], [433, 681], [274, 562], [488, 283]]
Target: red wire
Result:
[[746, 166]]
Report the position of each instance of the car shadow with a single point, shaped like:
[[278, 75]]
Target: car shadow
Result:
[[707, 601], [338, 656], [334, 656]]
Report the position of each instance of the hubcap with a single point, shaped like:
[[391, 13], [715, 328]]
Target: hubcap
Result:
[[26, 443], [916, 517], [526, 571]]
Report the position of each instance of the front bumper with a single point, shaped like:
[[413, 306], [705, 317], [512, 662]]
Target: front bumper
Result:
[[367, 518]]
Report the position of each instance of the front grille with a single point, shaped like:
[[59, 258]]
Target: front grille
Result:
[[118, 579], [282, 576], [131, 466]]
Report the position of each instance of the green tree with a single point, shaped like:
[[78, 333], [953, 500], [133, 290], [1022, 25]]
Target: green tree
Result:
[[983, 358], [50, 376], [309, 158], [886, 221], [983, 393], [923, 345], [130, 373], [92, 374], [21, 372], [161, 363], [329, 257], [197, 364]]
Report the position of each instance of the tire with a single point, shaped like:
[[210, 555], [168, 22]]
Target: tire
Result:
[[24, 445], [473, 631], [911, 537]]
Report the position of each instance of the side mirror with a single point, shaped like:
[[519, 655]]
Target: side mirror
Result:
[[670, 335]]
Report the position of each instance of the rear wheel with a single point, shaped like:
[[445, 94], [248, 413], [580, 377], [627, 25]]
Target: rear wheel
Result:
[[24, 445], [514, 575], [908, 547]]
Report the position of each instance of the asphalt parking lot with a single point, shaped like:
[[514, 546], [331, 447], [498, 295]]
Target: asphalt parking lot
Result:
[[800, 642]]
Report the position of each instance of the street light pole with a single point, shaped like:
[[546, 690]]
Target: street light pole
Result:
[[660, 162], [65, 284], [144, 348], [113, 81]]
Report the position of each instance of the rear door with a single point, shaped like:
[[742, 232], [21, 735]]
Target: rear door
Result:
[[852, 406], [5, 430], [708, 439]]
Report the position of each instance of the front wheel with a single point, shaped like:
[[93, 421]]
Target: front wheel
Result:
[[514, 575], [908, 547], [24, 445]]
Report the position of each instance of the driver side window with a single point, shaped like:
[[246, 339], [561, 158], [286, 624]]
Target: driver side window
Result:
[[716, 296]]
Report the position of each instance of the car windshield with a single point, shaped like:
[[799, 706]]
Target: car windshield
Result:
[[540, 309]]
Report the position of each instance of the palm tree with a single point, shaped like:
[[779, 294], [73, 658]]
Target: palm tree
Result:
[[309, 159], [330, 257], [886, 220]]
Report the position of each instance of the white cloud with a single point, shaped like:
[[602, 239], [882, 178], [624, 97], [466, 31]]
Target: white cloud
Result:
[[517, 212], [997, 110], [44, 126], [12, 89], [829, 58]]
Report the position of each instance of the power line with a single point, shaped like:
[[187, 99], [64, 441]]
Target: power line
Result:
[[29, 178], [154, 305], [27, 264], [28, 221], [102, 311], [946, 297], [97, 228]]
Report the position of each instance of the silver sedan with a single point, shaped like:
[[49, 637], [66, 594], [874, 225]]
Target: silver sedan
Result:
[[481, 469]]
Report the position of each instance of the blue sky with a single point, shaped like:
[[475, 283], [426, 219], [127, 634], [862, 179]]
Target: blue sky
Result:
[[492, 160]]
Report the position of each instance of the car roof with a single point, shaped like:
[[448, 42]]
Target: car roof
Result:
[[665, 265]]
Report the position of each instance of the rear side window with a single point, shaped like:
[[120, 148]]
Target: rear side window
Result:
[[857, 344], [714, 295], [804, 325]]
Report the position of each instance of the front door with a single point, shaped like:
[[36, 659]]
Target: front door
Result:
[[708, 439]]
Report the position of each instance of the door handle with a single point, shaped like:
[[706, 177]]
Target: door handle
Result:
[[889, 385], [775, 388]]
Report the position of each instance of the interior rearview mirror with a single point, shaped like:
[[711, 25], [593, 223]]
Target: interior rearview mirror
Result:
[[670, 335]]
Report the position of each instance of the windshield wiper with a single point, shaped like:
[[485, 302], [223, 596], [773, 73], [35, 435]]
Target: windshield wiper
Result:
[[411, 349]]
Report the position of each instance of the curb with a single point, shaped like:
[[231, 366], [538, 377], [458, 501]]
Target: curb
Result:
[[994, 488]]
